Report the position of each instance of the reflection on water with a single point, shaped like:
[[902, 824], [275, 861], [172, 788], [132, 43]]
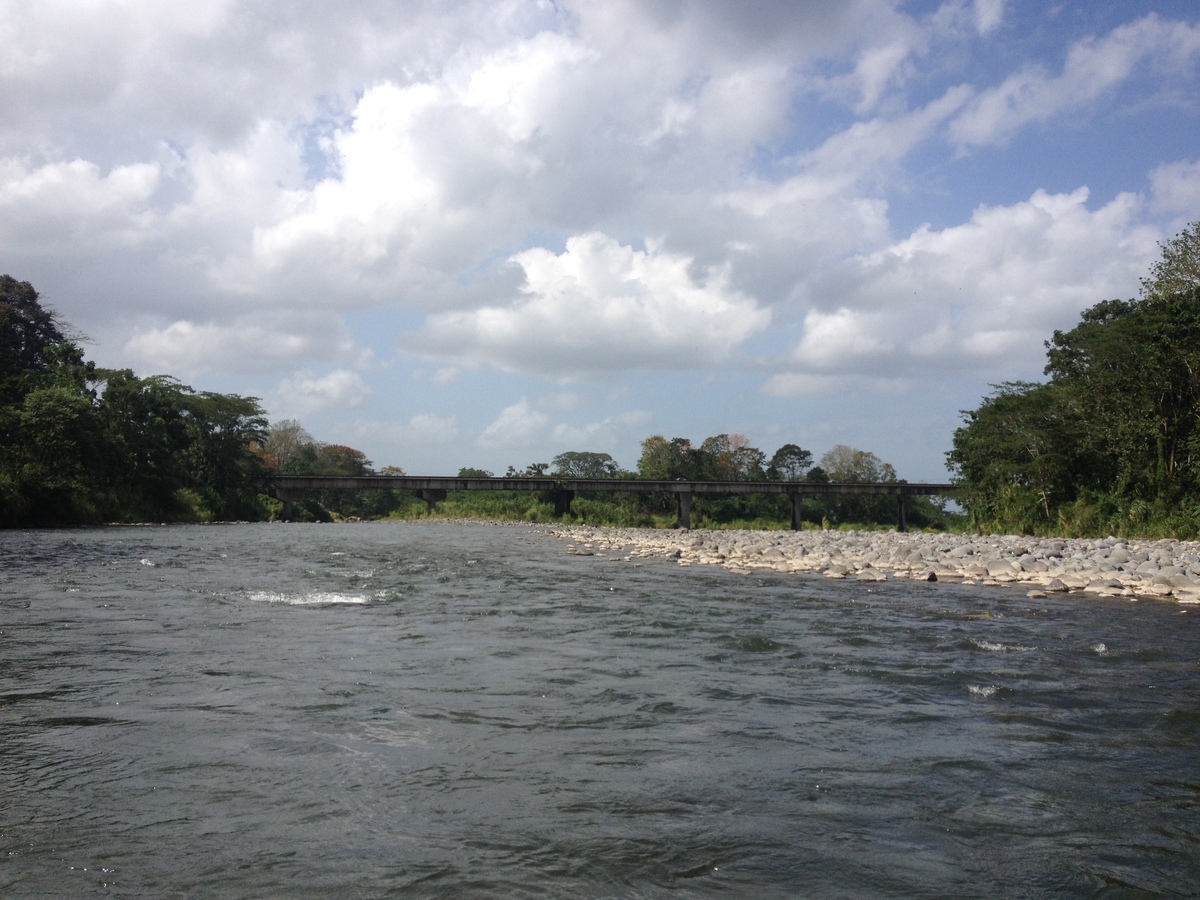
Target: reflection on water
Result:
[[442, 710]]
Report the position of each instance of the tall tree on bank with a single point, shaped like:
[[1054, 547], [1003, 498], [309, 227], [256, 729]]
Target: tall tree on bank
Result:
[[1112, 441], [80, 444]]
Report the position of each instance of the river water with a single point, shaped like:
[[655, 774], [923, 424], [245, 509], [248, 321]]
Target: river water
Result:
[[455, 710]]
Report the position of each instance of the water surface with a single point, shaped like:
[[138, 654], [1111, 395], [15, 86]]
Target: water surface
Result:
[[448, 710]]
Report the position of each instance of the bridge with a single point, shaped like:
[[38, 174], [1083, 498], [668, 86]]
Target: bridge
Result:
[[431, 489]]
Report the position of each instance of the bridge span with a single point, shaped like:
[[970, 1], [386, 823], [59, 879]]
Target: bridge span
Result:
[[431, 489]]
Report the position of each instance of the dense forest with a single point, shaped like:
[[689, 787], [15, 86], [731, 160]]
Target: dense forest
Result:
[[1110, 444], [84, 444]]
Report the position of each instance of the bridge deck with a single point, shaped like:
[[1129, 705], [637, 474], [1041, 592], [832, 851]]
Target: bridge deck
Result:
[[595, 485], [290, 488]]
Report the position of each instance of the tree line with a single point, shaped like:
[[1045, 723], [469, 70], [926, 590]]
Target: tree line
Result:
[[722, 457], [82, 444], [79, 443], [1110, 443]]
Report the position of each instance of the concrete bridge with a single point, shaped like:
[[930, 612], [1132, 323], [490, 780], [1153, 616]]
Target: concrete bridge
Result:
[[290, 488]]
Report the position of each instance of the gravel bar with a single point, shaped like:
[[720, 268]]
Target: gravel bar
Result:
[[1105, 567]]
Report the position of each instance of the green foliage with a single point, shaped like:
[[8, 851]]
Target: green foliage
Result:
[[1112, 442], [789, 463], [576, 464], [78, 444], [290, 450], [1177, 270]]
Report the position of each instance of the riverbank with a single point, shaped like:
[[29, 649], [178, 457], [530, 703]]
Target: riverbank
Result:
[[1106, 567]]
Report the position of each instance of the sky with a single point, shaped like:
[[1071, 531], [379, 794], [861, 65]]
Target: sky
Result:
[[481, 233]]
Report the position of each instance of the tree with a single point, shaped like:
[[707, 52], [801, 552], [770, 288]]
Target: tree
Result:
[[729, 457], [664, 460], [1017, 457], [1134, 369], [48, 427], [843, 463], [146, 436], [33, 346], [224, 470], [1177, 271], [789, 463], [1116, 428], [582, 464], [285, 440]]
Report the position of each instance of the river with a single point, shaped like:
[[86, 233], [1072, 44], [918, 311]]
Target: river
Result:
[[465, 710]]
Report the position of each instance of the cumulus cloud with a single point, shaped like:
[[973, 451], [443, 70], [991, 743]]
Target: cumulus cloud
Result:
[[526, 426], [807, 384], [1092, 69], [226, 189], [1175, 190], [601, 435], [249, 344], [988, 15], [518, 425], [69, 206], [423, 430], [979, 297], [309, 393], [600, 306]]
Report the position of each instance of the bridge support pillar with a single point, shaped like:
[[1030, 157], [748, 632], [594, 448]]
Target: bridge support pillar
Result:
[[901, 523], [562, 502], [797, 499], [288, 499], [431, 496], [683, 517]]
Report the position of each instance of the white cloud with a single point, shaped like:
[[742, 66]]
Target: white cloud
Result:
[[432, 428], [518, 425], [806, 384], [308, 393], [249, 344], [73, 205], [602, 435], [600, 306], [220, 189], [977, 298], [422, 430], [837, 171], [1175, 190], [832, 339], [988, 15], [1092, 69]]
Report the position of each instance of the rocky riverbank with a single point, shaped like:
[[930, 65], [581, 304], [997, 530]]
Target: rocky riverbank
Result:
[[1107, 567]]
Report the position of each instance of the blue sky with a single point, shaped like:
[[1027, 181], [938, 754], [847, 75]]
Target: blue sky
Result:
[[483, 233]]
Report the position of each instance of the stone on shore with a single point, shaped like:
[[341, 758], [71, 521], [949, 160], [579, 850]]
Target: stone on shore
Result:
[[1108, 567]]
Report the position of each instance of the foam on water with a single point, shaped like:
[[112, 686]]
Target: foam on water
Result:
[[316, 598], [997, 647]]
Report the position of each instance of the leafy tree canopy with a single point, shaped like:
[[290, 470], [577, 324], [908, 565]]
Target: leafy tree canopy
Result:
[[582, 464], [1114, 436], [789, 463], [843, 463]]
